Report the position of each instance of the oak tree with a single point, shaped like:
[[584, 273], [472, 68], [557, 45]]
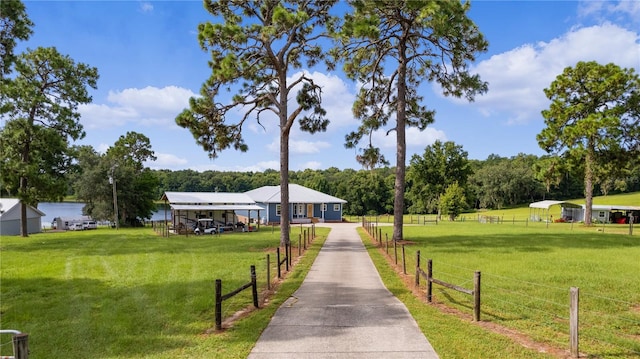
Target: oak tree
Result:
[[119, 172], [440, 166]]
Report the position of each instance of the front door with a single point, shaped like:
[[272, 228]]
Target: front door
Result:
[[309, 210]]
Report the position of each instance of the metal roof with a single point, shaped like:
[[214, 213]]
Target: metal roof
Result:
[[7, 205], [613, 207], [207, 198], [204, 207], [548, 203], [297, 194]]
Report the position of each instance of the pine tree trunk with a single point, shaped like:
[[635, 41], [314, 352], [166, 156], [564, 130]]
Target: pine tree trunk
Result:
[[588, 183], [401, 147], [285, 130]]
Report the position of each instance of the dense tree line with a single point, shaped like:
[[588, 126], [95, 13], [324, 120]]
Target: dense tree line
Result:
[[494, 183]]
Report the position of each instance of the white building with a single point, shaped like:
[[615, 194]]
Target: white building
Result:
[[10, 217]]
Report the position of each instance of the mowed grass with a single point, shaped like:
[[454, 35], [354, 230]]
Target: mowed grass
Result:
[[527, 270], [133, 294]]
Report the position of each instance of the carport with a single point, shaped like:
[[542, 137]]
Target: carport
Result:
[[188, 207], [540, 211]]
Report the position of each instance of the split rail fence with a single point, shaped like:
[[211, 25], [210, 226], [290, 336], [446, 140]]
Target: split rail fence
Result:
[[576, 326], [284, 263]]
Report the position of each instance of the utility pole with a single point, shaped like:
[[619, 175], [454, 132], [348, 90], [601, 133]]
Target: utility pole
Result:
[[112, 180]]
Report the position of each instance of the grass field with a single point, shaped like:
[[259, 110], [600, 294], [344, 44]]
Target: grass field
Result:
[[132, 294], [527, 271]]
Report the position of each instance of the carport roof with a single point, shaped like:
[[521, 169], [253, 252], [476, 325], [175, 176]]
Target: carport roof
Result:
[[207, 198], [548, 203], [220, 207]]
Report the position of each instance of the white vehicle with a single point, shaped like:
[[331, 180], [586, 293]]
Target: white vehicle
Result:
[[89, 225], [205, 226], [76, 227]]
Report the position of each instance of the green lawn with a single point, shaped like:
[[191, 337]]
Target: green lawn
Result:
[[527, 272], [132, 294]]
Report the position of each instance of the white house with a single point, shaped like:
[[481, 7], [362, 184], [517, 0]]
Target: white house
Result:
[[10, 217]]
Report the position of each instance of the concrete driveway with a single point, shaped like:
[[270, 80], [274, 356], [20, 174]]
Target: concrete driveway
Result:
[[342, 310]]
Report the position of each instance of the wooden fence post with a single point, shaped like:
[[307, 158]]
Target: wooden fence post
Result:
[[476, 296], [418, 268], [429, 283], [21, 346], [395, 251], [387, 244], [218, 309], [300, 245], [268, 272], [254, 286], [278, 262], [573, 321], [404, 262]]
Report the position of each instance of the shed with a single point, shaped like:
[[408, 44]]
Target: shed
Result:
[[305, 204], [614, 213], [10, 217]]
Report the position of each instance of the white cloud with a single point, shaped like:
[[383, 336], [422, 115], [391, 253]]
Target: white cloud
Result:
[[517, 78], [599, 9], [337, 98], [167, 161], [146, 7], [149, 106], [299, 147], [414, 138], [313, 165]]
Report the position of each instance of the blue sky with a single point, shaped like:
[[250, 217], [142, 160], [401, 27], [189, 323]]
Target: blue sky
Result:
[[150, 63]]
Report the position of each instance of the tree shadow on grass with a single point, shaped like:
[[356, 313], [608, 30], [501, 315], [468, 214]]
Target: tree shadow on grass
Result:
[[107, 243], [90, 318], [525, 242]]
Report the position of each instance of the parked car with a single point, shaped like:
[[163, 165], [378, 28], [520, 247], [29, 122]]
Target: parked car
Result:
[[76, 227], [89, 225]]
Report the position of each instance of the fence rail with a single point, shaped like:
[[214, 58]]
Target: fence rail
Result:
[[20, 343], [428, 276], [285, 259], [253, 284], [601, 332]]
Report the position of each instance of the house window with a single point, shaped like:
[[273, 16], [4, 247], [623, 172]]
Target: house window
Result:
[[601, 214], [298, 210], [324, 207], [278, 210], [336, 207]]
